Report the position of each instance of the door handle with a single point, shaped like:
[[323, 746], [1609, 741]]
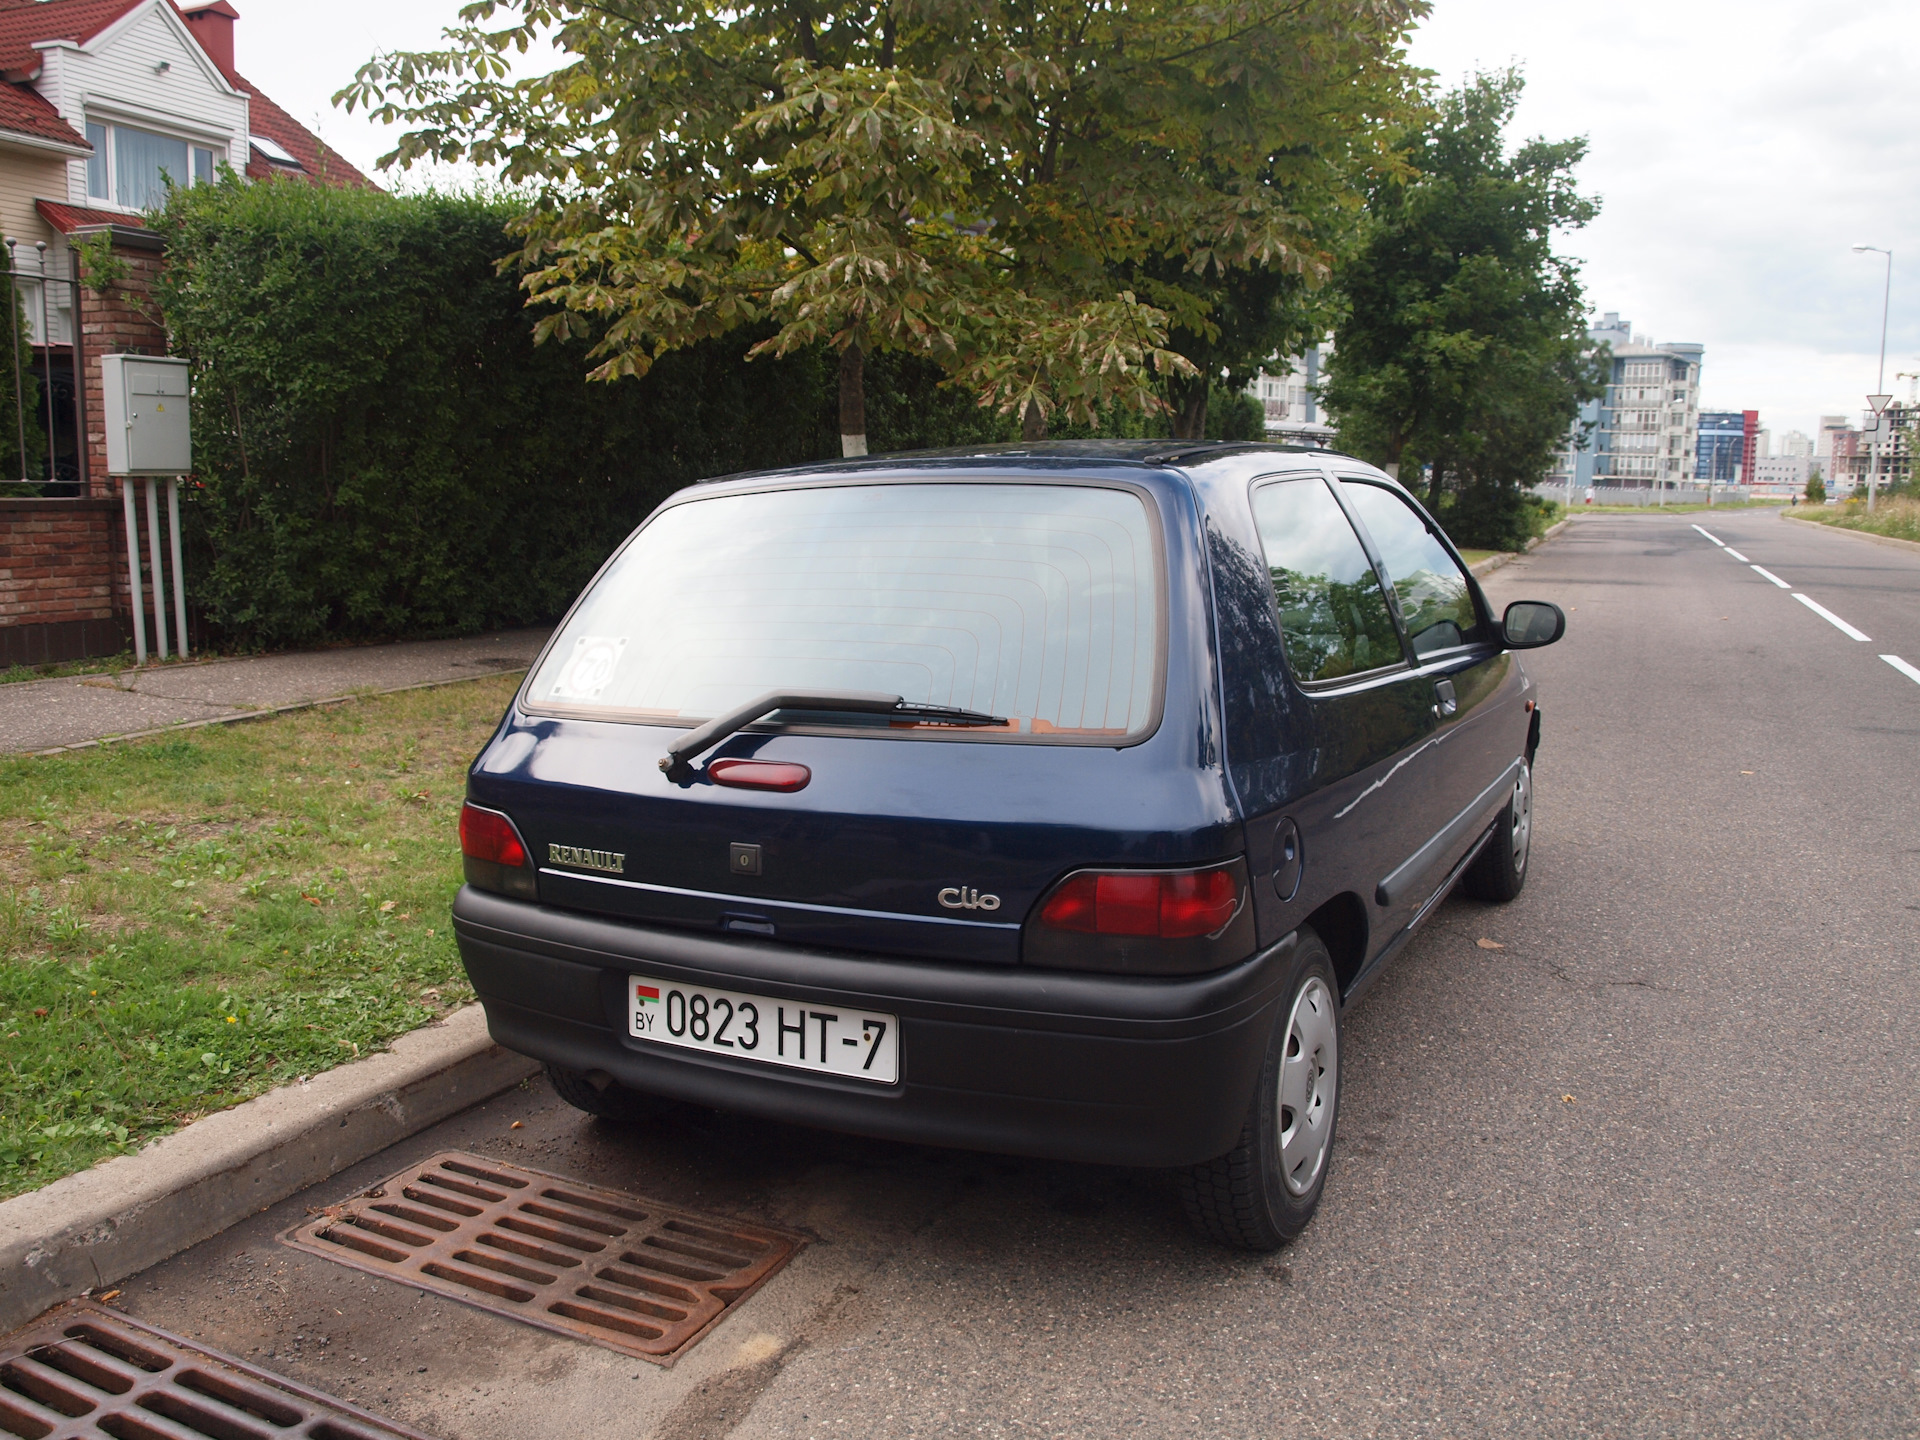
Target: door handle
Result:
[[1449, 703]]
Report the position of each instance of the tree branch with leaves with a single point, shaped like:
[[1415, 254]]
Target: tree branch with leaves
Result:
[[1002, 189]]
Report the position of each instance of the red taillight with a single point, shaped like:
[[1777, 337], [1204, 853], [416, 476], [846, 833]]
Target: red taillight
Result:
[[759, 774], [488, 835], [1171, 907]]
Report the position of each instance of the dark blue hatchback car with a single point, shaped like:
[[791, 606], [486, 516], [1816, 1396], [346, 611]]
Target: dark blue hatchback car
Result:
[[1046, 800]]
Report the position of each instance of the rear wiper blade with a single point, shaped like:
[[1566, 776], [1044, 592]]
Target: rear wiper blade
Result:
[[946, 714], [859, 702]]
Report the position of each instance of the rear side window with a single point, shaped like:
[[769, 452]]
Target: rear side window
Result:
[[1040, 603], [1434, 600], [1334, 619]]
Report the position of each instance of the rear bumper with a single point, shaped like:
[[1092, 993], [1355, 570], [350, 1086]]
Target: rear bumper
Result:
[[1107, 1069]]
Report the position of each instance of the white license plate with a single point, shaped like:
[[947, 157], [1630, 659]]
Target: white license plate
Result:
[[862, 1044]]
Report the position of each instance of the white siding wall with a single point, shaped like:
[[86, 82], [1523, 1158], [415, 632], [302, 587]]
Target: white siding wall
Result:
[[27, 175], [115, 79]]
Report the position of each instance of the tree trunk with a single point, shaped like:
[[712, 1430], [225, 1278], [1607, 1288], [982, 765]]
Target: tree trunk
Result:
[[1436, 489], [1190, 408], [1033, 423], [853, 402]]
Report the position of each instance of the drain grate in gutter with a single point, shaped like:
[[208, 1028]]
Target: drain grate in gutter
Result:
[[84, 1372], [625, 1272]]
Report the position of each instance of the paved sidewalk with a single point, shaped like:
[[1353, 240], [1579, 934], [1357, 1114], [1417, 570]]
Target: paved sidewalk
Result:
[[74, 710]]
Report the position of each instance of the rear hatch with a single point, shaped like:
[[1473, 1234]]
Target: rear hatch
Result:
[[1061, 618]]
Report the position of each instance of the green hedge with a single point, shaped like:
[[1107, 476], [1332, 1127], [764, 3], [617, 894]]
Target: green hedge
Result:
[[381, 450]]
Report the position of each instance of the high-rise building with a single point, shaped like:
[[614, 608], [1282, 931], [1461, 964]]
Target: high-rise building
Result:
[[1842, 456], [1645, 434], [1793, 444], [1720, 444], [1641, 433]]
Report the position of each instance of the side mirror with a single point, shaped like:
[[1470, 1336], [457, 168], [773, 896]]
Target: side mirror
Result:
[[1529, 624]]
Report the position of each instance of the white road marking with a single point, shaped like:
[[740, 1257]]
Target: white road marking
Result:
[[1778, 581], [1905, 669], [1736, 554], [1824, 613], [1711, 536]]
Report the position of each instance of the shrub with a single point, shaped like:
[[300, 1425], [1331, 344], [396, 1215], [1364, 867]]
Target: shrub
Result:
[[380, 448], [1816, 488]]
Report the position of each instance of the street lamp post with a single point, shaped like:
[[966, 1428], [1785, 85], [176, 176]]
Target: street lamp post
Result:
[[1878, 400]]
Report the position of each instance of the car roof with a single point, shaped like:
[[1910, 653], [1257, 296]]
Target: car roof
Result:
[[1046, 454]]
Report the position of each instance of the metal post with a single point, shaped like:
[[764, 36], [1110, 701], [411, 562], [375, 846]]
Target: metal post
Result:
[[179, 569], [83, 466], [19, 397], [133, 573], [46, 349], [159, 580]]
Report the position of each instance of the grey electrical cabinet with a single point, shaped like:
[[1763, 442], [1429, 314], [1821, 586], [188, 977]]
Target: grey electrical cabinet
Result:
[[148, 430]]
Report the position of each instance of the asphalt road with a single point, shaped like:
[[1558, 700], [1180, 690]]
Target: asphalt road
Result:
[[1649, 1169]]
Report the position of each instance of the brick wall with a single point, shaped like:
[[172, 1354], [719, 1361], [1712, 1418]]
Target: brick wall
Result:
[[63, 563], [58, 587]]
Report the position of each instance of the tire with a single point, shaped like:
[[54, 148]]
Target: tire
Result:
[[1501, 869], [615, 1102], [1262, 1193]]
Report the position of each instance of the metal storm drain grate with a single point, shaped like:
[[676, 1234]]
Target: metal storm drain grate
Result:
[[82, 1371], [634, 1275]]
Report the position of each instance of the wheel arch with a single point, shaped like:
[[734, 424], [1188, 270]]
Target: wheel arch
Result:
[[1342, 924]]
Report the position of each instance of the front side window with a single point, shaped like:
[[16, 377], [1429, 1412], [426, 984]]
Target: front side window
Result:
[[1334, 619], [1435, 603], [1039, 603]]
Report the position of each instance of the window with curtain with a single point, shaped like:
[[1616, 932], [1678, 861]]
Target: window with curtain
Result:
[[143, 162], [131, 167], [97, 163]]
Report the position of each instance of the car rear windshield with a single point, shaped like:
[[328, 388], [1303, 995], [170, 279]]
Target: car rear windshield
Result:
[[1037, 602]]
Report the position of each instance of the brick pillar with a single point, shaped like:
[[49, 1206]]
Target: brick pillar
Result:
[[121, 320]]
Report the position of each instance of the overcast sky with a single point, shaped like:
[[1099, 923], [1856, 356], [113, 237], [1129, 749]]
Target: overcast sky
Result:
[[1738, 149]]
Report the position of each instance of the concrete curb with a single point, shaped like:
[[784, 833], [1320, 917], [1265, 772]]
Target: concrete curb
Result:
[[1893, 540], [1494, 562], [101, 1225], [269, 712]]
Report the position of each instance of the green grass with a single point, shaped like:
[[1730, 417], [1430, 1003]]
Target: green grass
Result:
[[1897, 516], [189, 921], [111, 665], [1474, 557]]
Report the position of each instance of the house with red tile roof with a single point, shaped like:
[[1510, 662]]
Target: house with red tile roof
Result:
[[101, 103]]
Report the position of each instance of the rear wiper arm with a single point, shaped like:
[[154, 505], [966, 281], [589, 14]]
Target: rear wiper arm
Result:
[[859, 702]]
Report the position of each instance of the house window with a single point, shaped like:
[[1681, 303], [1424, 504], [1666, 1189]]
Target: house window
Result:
[[131, 167], [97, 162]]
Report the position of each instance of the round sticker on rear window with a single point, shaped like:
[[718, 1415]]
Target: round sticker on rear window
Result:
[[587, 671]]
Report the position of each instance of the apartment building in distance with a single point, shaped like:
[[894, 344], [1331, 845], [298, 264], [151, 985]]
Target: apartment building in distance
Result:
[[1286, 388], [1641, 433], [1841, 455]]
